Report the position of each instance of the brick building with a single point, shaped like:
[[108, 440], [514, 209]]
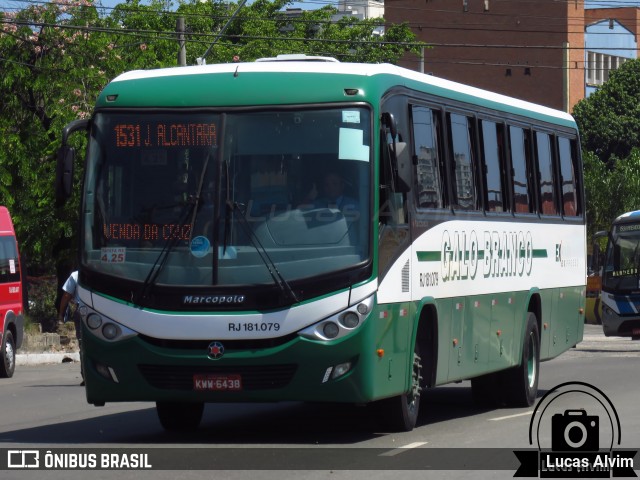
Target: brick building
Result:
[[534, 50]]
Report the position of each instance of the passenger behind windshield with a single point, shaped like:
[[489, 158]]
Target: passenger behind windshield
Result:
[[332, 196]]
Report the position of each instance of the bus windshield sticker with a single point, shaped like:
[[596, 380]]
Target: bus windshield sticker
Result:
[[351, 145], [200, 246], [350, 116], [12, 265], [113, 254]]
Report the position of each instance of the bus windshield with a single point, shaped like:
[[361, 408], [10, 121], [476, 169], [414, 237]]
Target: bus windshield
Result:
[[622, 264], [202, 198]]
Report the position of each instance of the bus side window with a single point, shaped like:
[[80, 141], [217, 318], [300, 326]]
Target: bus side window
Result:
[[521, 195], [494, 166], [547, 192], [568, 177], [461, 137], [427, 158]]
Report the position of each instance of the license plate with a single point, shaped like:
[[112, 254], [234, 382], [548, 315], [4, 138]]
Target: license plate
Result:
[[216, 383]]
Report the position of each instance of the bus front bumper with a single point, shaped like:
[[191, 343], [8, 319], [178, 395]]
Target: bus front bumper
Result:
[[349, 370]]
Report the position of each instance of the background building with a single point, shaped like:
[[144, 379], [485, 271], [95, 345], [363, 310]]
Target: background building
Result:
[[611, 38], [545, 51]]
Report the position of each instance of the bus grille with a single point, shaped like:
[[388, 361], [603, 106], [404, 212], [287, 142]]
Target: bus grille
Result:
[[254, 377], [229, 345]]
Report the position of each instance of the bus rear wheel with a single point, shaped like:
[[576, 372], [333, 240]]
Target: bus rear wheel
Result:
[[8, 363], [521, 383], [400, 413], [179, 416]]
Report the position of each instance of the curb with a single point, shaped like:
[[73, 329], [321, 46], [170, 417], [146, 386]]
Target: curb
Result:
[[46, 358]]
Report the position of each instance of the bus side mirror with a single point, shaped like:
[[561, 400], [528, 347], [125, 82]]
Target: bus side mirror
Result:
[[400, 156], [64, 174], [66, 159]]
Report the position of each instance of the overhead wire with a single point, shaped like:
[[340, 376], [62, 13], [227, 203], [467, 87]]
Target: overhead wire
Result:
[[203, 37]]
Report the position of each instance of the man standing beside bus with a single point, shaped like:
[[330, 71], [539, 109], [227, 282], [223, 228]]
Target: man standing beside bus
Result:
[[68, 306]]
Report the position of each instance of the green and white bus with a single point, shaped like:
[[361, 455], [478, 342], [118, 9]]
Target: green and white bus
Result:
[[322, 231]]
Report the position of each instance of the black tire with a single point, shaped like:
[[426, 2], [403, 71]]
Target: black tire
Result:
[[8, 363], [179, 416], [400, 413], [521, 382]]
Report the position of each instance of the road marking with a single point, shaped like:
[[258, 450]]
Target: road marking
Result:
[[399, 450], [511, 416]]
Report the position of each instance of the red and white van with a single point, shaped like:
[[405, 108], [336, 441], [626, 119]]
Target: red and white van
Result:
[[11, 308]]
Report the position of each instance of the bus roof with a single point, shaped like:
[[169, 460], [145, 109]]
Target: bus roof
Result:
[[628, 217], [6, 225], [296, 82]]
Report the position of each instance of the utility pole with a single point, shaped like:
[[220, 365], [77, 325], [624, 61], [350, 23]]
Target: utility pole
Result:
[[182, 52]]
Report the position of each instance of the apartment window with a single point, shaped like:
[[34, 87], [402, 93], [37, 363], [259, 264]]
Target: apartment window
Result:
[[599, 66]]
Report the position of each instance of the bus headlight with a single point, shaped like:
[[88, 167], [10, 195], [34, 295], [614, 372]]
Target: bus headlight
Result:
[[330, 330], [340, 324], [110, 331], [104, 328], [350, 320], [94, 321]]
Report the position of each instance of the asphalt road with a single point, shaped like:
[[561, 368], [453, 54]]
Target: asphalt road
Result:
[[44, 408]]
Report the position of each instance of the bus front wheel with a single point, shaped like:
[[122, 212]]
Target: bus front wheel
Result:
[[8, 363], [179, 416], [400, 413]]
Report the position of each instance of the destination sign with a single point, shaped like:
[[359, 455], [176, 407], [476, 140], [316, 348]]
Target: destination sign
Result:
[[146, 231], [166, 135]]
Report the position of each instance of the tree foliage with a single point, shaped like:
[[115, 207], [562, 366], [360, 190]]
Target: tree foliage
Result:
[[609, 119], [609, 123], [56, 57]]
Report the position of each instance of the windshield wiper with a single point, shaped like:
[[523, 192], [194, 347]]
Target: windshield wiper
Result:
[[199, 192], [278, 279], [190, 208], [167, 248]]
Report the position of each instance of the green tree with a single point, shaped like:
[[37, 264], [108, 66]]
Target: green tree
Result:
[[51, 69], [609, 123], [56, 58], [609, 119]]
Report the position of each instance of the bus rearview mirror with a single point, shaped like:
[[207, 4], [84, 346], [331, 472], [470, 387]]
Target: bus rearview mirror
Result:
[[64, 173]]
